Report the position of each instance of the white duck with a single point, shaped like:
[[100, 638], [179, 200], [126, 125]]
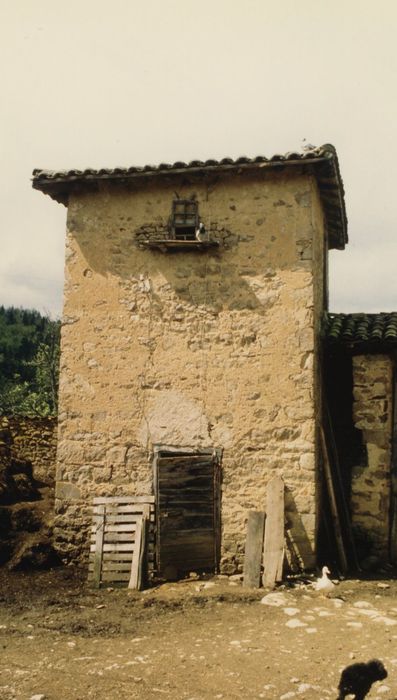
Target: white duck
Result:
[[324, 584]]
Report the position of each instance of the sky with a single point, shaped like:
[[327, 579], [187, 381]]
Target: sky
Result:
[[93, 83]]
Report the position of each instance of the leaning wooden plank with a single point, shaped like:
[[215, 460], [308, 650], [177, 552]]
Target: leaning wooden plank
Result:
[[138, 573], [143, 550], [98, 548], [347, 530], [273, 553], [133, 583], [253, 549], [123, 499], [334, 505]]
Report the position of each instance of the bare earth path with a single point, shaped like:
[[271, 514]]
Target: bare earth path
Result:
[[188, 641]]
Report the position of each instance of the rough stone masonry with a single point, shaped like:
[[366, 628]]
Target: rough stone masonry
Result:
[[370, 491]]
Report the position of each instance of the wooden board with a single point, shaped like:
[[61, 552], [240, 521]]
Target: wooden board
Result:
[[142, 554], [116, 540], [137, 564], [334, 468], [273, 552], [99, 525], [187, 490], [133, 582], [333, 505], [254, 549]]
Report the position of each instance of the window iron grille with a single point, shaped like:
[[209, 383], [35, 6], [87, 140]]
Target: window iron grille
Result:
[[184, 219]]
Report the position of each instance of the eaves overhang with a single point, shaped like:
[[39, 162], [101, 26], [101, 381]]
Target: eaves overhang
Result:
[[322, 162]]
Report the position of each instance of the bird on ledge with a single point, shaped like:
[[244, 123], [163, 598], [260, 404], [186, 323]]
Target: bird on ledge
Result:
[[200, 232]]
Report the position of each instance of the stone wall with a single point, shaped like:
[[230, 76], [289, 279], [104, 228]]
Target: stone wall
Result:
[[372, 414], [193, 349], [17, 482], [35, 439]]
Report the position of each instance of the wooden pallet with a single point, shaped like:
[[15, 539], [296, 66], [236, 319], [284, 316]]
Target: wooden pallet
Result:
[[122, 540]]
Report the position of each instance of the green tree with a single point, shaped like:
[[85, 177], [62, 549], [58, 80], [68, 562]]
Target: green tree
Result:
[[29, 362], [46, 362]]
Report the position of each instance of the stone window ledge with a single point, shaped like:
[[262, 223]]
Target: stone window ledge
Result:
[[172, 244]]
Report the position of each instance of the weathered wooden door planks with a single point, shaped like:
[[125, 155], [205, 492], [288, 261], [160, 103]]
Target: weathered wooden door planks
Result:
[[187, 512]]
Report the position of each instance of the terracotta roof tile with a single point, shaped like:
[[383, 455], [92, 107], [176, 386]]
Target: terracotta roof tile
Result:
[[376, 331]]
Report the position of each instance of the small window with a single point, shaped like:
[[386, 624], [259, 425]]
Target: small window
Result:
[[184, 219], [184, 230]]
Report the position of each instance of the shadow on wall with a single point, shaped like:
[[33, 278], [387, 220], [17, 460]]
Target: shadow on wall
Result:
[[240, 274], [212, 280], [299, 548]]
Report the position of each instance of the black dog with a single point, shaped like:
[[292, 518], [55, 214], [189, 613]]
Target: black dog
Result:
[[357, 679]]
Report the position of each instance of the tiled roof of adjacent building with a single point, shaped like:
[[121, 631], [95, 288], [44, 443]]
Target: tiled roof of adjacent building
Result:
[[321, 161], [374, 331]]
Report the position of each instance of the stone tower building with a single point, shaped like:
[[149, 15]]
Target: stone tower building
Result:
[[193, 300]]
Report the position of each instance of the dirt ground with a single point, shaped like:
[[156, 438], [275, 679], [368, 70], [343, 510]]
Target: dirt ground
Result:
[[196, 640]]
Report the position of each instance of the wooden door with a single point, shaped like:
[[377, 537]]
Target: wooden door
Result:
[[188, 512]]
